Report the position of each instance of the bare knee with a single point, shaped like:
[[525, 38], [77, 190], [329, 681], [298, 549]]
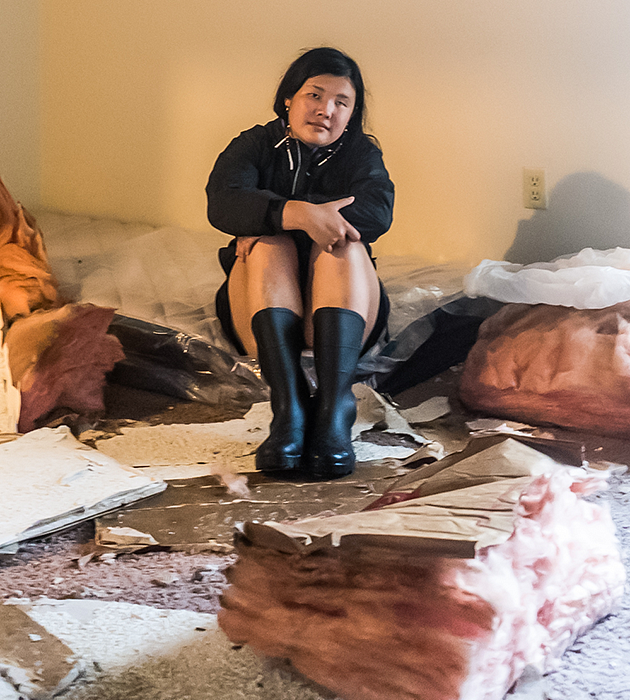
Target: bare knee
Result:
[[266, 276], [345, 278]]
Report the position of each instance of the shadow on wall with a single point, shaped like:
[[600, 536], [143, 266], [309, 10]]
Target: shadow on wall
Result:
[[584, 210]]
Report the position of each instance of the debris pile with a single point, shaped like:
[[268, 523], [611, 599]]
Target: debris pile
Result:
[[480, 565]]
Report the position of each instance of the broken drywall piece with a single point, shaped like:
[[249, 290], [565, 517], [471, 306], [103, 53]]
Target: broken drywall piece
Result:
[[177, 451], [429, 410], [9, 395], [133, 633], [35, 663], [50, 480], [8, 691]]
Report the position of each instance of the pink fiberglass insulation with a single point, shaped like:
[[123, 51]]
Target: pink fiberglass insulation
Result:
[[558, 574], [552, 364], [60, 358], [373, 620]]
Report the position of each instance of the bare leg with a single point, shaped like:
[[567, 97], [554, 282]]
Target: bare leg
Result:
[[342, 308], [344, 279], [266, 277], [267, 313]]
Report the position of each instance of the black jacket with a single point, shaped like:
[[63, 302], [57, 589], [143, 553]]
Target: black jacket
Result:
[[261, 169]]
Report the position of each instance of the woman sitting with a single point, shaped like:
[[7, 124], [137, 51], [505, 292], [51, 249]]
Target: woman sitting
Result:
[[305, 195]]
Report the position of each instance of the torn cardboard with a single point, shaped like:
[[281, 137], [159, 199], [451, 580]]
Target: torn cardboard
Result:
[[451, 507], [50, 481], [428, 411]]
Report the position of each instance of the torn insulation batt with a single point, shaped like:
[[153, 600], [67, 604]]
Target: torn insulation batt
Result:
[[496, 562]]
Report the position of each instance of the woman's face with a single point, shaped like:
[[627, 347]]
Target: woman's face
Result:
[[321, 109]]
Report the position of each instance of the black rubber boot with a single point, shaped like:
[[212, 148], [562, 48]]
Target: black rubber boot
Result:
[[338, 339], [279, 336]]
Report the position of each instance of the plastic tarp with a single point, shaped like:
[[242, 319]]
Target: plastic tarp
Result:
[[590, 279], [162, 281]]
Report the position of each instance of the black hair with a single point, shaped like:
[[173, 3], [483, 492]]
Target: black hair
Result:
[[322, 61]]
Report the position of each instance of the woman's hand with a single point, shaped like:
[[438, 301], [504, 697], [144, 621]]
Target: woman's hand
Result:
[[322, 222]]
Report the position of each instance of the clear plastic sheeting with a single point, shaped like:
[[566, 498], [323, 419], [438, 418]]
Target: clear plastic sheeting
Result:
[[416, 288], [590, 279], [166, 276], [164, 282]]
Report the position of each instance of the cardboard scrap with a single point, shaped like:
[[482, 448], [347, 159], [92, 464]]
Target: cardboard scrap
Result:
[[376, 415], [201, 513], [452, 507], [124, 537], [50, 480], [33, 662], [429, 410]]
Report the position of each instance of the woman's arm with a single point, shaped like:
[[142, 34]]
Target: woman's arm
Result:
[[362, 204], [324, 223], [236, 203], [371, 212]]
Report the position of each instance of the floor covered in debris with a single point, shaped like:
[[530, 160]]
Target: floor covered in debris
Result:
[[68, 565]]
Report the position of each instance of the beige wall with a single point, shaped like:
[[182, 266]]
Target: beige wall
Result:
[[139, 97], [19, 99]]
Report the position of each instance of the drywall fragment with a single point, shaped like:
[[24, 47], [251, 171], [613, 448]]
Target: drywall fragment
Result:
[[168, 451], [8, 691], [140, 652], [9, 395], [32, 660], [50, 480]]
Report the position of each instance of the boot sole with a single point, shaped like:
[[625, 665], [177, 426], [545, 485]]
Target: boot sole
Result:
[[283, 463], [323, 469]]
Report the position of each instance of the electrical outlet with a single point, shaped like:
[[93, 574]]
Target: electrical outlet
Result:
[[534, 188]]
